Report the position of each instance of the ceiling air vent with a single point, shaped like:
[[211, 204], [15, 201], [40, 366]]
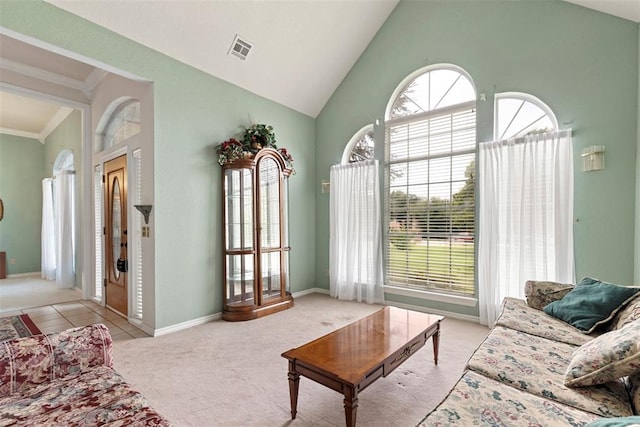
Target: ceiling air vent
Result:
[[240, 47]]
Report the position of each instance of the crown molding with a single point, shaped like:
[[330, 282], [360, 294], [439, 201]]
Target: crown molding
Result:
[[40, 74], [22, 133]]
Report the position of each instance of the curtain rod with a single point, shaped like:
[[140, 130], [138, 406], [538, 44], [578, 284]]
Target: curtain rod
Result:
[[64, 172], [527, 138]]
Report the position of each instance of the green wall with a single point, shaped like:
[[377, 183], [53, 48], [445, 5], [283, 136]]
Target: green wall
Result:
[[581, 63], [193, 113], [21, 174]]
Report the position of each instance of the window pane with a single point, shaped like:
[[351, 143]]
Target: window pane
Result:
[[518, 116], [123, 124], [363, 148], [432, 90]]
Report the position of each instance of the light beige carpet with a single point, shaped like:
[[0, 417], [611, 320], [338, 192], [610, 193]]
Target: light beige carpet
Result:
[[232, 374], [32, 291]]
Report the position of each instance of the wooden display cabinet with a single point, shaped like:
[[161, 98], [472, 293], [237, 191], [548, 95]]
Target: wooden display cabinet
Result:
[[256, 240]]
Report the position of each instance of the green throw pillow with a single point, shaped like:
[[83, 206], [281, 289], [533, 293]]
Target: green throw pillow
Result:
[[616, 422], [590, 304]]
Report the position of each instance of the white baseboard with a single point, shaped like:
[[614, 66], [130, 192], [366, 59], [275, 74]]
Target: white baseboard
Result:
[[310, 291], [18, 275], [184, 325]]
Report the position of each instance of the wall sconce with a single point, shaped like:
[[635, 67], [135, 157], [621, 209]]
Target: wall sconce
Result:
[[593, 158], [325, 186], [145, 210]]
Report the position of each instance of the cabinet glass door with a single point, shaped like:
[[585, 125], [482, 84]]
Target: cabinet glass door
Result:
[[285, 234], [239, 242], [270, 220]]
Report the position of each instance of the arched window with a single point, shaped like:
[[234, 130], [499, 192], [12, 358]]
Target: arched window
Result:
[[430, 153], [360, 147], [63, 162], [431, 89], [518, 114], [123, 123]]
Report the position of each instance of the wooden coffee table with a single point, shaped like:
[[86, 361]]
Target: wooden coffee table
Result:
[[349, 359]]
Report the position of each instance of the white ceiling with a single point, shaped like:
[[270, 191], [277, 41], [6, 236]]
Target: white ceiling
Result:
[[627, 9], [28, 66], [301, 51]]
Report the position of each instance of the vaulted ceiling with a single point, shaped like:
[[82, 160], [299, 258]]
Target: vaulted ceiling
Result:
[[299, 50]]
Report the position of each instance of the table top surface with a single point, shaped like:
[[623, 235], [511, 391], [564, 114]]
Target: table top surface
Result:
[[352, 351]]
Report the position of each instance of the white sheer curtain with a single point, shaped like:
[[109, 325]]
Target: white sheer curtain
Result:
[[525, 217], [63, 190], [355, 243], [48, 255]]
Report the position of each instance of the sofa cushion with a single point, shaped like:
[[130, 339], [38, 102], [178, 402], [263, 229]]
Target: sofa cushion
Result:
[[25, 362], [541, 293], [591, 303], [628, 313], [480, 401], [537, 365], [516, 314], [634, 392], [98, 396], [615, 354]]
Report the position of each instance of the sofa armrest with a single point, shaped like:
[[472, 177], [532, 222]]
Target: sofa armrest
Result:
[[540, 293], [26, 362]]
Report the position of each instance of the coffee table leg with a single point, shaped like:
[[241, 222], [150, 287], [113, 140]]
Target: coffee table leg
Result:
[[350, 405], [294, 382], [436, 344]]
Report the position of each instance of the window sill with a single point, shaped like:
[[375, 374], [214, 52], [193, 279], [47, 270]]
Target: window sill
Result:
[[432, 296]]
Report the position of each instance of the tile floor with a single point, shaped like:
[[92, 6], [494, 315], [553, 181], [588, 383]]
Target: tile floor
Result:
[[58, 317]]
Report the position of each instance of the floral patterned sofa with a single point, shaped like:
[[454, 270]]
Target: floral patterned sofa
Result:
[[534, 369], [67, 379]]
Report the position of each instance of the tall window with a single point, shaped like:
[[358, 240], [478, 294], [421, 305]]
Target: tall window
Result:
[[525, 214], [430, 153]]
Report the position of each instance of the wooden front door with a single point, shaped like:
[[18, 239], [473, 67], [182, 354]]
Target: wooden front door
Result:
[[117, 265]]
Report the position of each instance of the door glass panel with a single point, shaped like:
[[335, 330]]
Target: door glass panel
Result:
[[269, 203], [240, 279], [285, 212], [285, 272], [239, 213], [270, 274], [115, 225]]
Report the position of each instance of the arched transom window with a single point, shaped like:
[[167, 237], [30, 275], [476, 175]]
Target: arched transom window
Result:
[[123, 123], [63, 162], [360, 147], [519, 114], [431, 90], [430, 153]]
